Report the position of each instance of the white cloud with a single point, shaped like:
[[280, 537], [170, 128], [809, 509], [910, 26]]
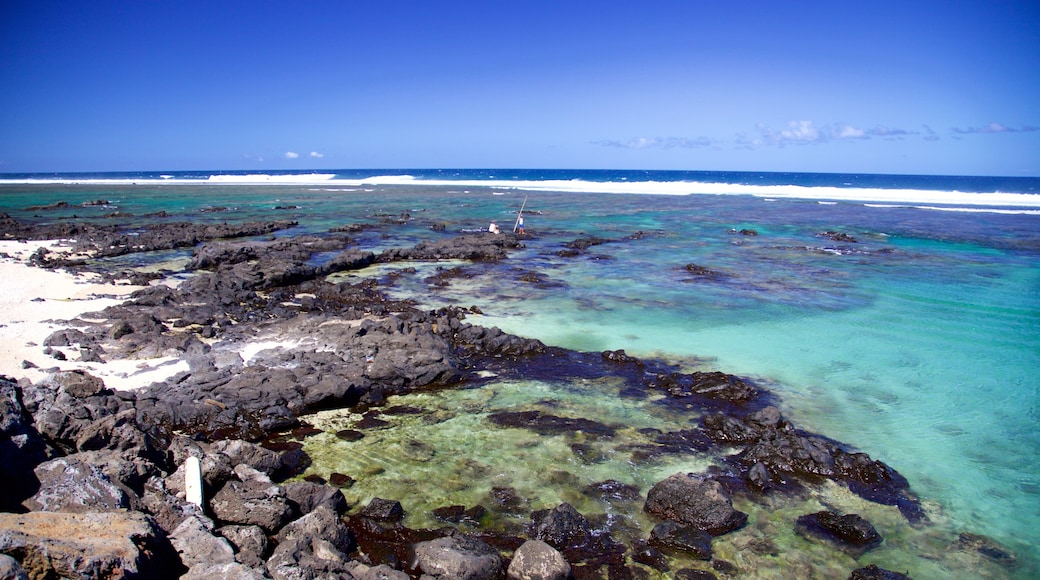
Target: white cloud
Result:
[[659, 143], [317, 155], [994, 128], [806, 132], [291, 155], [849, 132], [803, 131], [797, 132]]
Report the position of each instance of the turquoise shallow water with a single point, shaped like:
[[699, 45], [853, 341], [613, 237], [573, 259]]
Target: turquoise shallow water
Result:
[[917, 344]]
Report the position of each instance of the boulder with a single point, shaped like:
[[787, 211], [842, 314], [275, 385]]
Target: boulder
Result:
[[536, 560], [252, 502], [694, 500], [195, 542], [383, 510], [88, 545], [250, 543], [251, 454], [561, 527], [59, 416], [673, 537], [458, 558], [321, 523], [120, 432], [306, 558], [308, 496], [125, 469], [80, 384], [69, 484]]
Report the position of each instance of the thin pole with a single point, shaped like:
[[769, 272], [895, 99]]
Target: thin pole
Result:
[[522, 206]]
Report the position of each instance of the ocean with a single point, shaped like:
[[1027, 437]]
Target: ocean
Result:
[[897, 314]]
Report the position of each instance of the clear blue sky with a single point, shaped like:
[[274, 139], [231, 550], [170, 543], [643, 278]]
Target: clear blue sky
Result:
[[880, 86]]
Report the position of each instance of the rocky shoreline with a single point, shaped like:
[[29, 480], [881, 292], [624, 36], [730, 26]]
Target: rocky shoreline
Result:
[[94, 478]]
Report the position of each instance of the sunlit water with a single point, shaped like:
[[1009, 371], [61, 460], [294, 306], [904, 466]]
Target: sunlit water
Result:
[[917, 344]]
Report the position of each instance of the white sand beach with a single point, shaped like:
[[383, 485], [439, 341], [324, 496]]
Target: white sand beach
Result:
[[36, 302]]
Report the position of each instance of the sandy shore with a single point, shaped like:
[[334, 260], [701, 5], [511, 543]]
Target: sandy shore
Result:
[[36, 302]]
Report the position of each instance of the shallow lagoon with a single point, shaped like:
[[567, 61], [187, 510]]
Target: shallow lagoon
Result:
[[916, 344]]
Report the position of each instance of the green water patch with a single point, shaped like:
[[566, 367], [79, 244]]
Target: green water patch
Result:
[[502, 450], [459, 449]]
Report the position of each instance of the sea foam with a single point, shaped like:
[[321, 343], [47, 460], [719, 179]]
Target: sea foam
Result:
[[949, 200], [900, 196]]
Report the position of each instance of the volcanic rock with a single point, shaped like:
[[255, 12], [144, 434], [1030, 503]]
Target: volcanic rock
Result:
[[873, 572], [694, 500], [88, 545], [536, 560], [195, 542], [69, 484], [561, 527], [675, 537], [383, 510], [457, 557], [850, 530], [252, 502]]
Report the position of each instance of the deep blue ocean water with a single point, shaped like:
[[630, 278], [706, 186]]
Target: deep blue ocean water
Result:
[[1025, 185], [918, 343]]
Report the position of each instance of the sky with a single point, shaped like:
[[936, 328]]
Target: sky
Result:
[[913, 87]]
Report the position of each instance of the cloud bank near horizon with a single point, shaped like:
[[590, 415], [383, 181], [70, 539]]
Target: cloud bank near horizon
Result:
[[805, 132]]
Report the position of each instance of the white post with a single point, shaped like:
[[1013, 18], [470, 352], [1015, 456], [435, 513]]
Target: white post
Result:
[[193, 480]]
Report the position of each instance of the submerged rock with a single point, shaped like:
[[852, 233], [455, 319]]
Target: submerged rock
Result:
[[691, 540], [547, 424], [850, 530], [873, 572], [694, 500], [561, 527], [710, 385], [986, 547]]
